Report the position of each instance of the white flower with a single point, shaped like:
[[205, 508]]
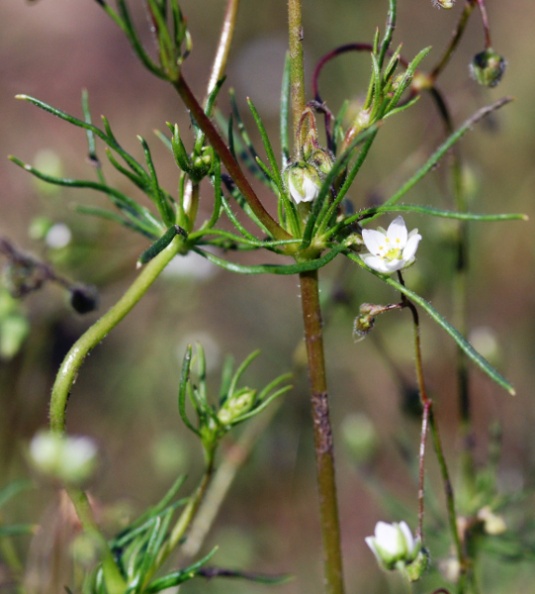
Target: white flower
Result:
[[392, 249], [70, 459], [393, 544], [304, 182]]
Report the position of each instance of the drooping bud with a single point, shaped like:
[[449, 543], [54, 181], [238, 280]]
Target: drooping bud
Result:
[[304, 182], [488, 67]]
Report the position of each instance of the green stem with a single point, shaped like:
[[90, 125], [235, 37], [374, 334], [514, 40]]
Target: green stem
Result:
[[429, 419], [95, 334], [186, 518], [323, 440], [297, 70], [115, 583], [232, 166], [454, 41], [460, 299]]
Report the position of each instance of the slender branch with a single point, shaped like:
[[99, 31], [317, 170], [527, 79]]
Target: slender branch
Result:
[[223, 48], [454, 41], [233, 168], [323, 440], [95, 334], [428, 419]]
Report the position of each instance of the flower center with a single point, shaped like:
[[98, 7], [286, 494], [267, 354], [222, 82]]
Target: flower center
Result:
[[390, 252]]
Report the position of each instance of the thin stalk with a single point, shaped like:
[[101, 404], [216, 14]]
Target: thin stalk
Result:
[[185, 519], [297, 70], [460, 300], [219, 65], [454, 41], [234, 458], [232, 166], [428, 419], [97, 332], [115, 583], [323, 440]]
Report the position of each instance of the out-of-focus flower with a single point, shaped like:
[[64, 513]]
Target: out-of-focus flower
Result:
[[393, 544], [69, 459], [392, 249]]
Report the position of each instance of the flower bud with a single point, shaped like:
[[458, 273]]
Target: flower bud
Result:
[[414, 571], [487, 68], [236, 406], [304, 182], [69, 459], [394, 545]]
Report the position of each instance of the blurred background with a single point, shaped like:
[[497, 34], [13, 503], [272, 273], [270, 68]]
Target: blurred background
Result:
[[125, 396]]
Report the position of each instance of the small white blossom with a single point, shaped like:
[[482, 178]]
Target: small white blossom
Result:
[[70, 459], [393, 544], [392, 249]]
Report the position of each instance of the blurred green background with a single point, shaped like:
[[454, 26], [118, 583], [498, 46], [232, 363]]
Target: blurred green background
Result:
[[125, 396]]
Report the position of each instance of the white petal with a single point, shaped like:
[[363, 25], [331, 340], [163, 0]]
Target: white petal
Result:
[[387, 537], [397, 233], [409, 539], [374, 240], [375, 262], [294, 192], [310, 189], [412, 245]]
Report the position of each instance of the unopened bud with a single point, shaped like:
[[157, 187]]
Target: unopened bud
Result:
[[237, 405], [414, 571], [69, 459], [487, 68], [304, 182]]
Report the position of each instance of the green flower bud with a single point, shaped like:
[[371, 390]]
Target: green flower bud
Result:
[[236, 406], [321, 160], [444, 3], [487, 68], [414, 571]]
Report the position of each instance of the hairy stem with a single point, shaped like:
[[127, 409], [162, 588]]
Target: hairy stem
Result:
[[297, 71], [323, 440]]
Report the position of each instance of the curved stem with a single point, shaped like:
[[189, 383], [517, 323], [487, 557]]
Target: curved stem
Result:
[[82, 347], [323, 441]]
